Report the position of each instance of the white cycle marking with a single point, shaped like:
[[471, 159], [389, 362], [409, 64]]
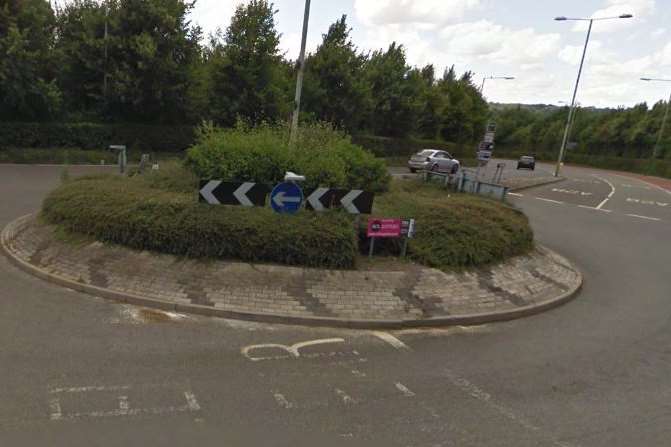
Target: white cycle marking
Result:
[[550, 200], [404, 389], [293, 350], [571, 191]]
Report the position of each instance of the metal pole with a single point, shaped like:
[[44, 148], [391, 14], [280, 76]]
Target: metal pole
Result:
[[299, 77], [655, 152], [482, 87], [372, 247], [572, 109], [105, 62]]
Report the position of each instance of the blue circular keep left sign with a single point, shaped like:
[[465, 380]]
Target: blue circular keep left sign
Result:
[[286, 198]]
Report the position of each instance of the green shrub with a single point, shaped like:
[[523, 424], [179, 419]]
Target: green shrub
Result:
[[95, 136], [129, 212], [263, 154], [405, 147], [455, 230]]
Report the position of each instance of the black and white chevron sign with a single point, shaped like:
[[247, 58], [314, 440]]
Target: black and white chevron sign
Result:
[[355, 201], [217, 192]]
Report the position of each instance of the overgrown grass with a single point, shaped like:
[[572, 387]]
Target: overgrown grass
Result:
[[455, 230]]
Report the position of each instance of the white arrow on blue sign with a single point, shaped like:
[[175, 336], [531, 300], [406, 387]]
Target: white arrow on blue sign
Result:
[[286, 198]]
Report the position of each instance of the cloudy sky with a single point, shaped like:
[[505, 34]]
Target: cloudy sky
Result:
[[500, 37]]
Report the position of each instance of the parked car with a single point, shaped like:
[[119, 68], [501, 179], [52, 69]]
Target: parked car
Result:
[[526, 162], [434, 160]]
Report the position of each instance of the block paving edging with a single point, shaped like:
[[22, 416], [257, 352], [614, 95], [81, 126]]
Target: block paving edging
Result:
[[415, 297]]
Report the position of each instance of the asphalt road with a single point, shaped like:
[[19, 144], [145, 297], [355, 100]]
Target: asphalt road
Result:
[[82, 371]]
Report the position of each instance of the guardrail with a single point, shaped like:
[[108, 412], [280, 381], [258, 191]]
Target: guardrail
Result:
[[463, 182]]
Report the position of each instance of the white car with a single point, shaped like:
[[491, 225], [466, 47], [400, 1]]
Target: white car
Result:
[[434, 160]]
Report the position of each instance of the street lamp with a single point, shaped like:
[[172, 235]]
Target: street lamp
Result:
[[655, 151], [299, 76], [482, 87], [577, 82], [570, 128]]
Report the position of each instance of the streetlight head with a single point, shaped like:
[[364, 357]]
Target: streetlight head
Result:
[[560, 18], [509, 77], [646, 79], [626, 16]]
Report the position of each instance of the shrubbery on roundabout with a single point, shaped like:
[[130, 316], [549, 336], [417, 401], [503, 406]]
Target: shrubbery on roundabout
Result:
[[160, 211]]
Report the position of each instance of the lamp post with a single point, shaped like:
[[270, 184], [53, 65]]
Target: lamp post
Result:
[[655, 151], [577, 82], [570, 128], [299, 76], [482, 87]]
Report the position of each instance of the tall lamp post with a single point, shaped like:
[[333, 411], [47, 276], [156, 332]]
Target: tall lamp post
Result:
[[577, 82], [655, 151], [570, 128], [482, 87], [299, 76]]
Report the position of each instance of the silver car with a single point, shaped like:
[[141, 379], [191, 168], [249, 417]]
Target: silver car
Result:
[[434, 160]]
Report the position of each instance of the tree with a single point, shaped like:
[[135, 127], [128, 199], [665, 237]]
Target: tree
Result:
[[249, 77], [27, 87], [334, 88]]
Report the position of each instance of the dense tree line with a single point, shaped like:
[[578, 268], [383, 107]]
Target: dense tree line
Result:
[[142, 61], [622, 132]]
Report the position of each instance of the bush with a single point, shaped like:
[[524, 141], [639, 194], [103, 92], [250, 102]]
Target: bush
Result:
[[263, 154], [455, 230], [132, 213], [95, 136]]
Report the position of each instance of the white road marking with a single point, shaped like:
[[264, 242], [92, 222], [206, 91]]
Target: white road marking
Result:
[[56, 413], [404, 389], [282, 401], [293, 350], [85, 389], [55, 407], [124, 406], [595, 209], [358, 373], [347, 399], [612, 191], [644, 217], [550, 200], [515, 194], [191, 401], [486, 398], [387, 337], [572, 191], [647, 202]]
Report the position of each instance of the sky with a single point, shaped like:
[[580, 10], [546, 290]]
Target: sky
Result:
[[499, 38]]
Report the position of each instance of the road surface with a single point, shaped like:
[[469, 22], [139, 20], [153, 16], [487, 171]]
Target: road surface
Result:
[[82, 371]]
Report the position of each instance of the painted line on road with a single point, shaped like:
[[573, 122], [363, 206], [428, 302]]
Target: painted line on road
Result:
[[595, 209], [404, 389], [85, 389], [346, 398], [612, 191], [282, 401], [644, 217], [393, 341], [550, 200], [514, 194]]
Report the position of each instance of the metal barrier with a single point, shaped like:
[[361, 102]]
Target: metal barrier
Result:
[[462, 182]]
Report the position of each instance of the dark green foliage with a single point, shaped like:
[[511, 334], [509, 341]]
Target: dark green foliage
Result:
[[456, 230], [130, 212], [96, 136], [263, 154], [27, 65], [393, 147]]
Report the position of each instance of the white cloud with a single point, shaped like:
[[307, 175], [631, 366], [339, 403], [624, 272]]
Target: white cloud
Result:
[[659, 32], [213, 14], [484, 39], [433, 12]]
